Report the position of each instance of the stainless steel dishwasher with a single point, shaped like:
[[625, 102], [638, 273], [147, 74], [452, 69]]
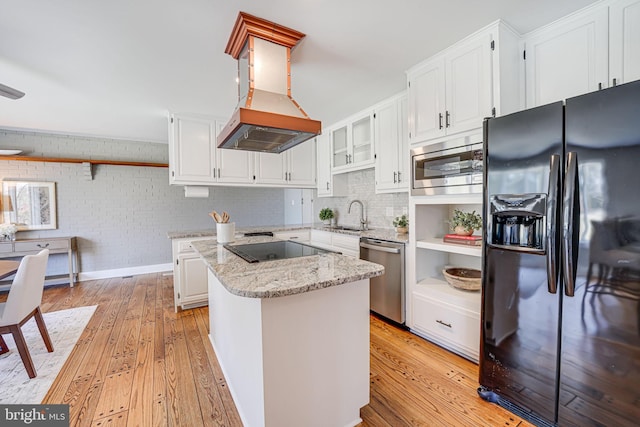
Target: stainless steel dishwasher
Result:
[[386, 291]]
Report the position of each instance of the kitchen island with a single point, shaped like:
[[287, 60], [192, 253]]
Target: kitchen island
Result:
[[291, 335]]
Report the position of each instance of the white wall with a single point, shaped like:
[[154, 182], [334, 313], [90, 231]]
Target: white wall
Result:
[[122, 216]]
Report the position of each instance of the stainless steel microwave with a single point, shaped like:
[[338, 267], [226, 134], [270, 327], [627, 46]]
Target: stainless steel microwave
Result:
[[451, 167]]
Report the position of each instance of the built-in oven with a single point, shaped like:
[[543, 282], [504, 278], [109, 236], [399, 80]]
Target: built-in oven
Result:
[[450, 167]]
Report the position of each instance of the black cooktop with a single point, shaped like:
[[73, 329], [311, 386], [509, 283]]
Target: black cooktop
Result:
[[269, 251]]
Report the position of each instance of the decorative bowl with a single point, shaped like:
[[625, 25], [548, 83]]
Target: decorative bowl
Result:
[[468, 279]]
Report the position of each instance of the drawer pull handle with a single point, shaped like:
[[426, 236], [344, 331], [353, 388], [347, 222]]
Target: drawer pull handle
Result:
[[448, 325], [46, 245]]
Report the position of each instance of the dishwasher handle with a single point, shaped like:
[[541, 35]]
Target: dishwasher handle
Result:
[[380, 248]]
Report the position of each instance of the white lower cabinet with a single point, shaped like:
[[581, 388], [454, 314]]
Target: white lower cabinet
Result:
[[436, 311], [190, 288], [343, 243], [449, 324], [297, 235]]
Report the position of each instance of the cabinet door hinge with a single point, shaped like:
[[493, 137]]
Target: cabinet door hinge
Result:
[[171, 119], [375, 156], [524, 55], [177, 261], [493, 45], [254, 177], [493, 111], [178, 295]]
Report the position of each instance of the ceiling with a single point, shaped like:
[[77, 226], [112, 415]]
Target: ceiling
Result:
[[116, 68]]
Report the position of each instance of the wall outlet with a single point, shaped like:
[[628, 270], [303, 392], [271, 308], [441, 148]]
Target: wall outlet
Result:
[[404, 210], [389, 211]]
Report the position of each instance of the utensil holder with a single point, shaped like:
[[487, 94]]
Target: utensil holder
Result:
[[225, 232]]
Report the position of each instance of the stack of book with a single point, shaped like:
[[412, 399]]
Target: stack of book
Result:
[[462, 240]]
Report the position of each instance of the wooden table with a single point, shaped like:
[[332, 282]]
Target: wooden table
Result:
[[7, 268]]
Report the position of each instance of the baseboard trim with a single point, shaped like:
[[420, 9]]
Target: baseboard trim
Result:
[[121, 272]]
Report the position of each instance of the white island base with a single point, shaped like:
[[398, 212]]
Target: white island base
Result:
[[298, 360]]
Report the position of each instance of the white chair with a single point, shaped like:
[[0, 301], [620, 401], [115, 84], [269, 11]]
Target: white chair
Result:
[[23, 303]]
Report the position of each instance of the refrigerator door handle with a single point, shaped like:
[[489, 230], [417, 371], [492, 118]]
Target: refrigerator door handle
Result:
[[552, 215], [569, 205]]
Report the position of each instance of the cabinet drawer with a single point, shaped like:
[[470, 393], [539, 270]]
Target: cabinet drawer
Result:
[[6, 247], [185, 247], [454, 325], [38, 245], [298, 235]]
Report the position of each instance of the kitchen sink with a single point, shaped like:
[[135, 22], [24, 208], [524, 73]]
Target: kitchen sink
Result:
[[345, 228]]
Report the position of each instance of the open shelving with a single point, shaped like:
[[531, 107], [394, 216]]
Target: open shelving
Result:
[[435, 310]]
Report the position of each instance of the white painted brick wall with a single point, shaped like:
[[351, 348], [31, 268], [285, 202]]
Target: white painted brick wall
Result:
[[122, 216]]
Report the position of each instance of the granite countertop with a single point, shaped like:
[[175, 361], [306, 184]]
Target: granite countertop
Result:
[[376, 233], [280, 278]]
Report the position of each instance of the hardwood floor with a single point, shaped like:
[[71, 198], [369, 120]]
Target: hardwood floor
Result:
[[139, 363]]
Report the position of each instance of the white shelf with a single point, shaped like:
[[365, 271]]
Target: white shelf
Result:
[[437, 244], [438, 288]]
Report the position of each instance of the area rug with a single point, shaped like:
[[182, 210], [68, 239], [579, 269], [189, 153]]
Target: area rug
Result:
[[65, 328]]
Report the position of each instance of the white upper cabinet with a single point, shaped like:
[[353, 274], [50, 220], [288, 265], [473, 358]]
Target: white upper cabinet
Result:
[[453, 91], [191, 150], [328, 185], [301, 168], [323, 161], [624, 41], [234, 166], [426, 97], [567, 58], [271, 168], [392, 148], [295, 167], [195, 159], [468, 84], [352, 143]]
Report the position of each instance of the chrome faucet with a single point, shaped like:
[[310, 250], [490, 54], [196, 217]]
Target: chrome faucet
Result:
[[363, 219]]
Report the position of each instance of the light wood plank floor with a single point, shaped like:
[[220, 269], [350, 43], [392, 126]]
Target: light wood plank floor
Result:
[[139, 363]]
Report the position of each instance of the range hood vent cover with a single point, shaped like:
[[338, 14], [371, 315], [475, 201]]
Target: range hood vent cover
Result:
[[267, 118]]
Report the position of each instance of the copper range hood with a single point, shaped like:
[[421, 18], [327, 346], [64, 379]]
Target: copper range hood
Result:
[[267, 118]]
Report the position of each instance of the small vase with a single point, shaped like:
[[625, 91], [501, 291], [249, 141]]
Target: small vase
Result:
[[461, 231], [326, 221], [401, 230]]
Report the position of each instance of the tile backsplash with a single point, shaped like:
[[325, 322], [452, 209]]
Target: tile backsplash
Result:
[[361, 186]]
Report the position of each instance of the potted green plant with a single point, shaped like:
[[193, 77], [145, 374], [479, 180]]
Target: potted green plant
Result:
[[326, 214], [464, 223], [401, 223]]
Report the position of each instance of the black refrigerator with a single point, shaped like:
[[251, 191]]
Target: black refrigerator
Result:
[[561, 263]]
